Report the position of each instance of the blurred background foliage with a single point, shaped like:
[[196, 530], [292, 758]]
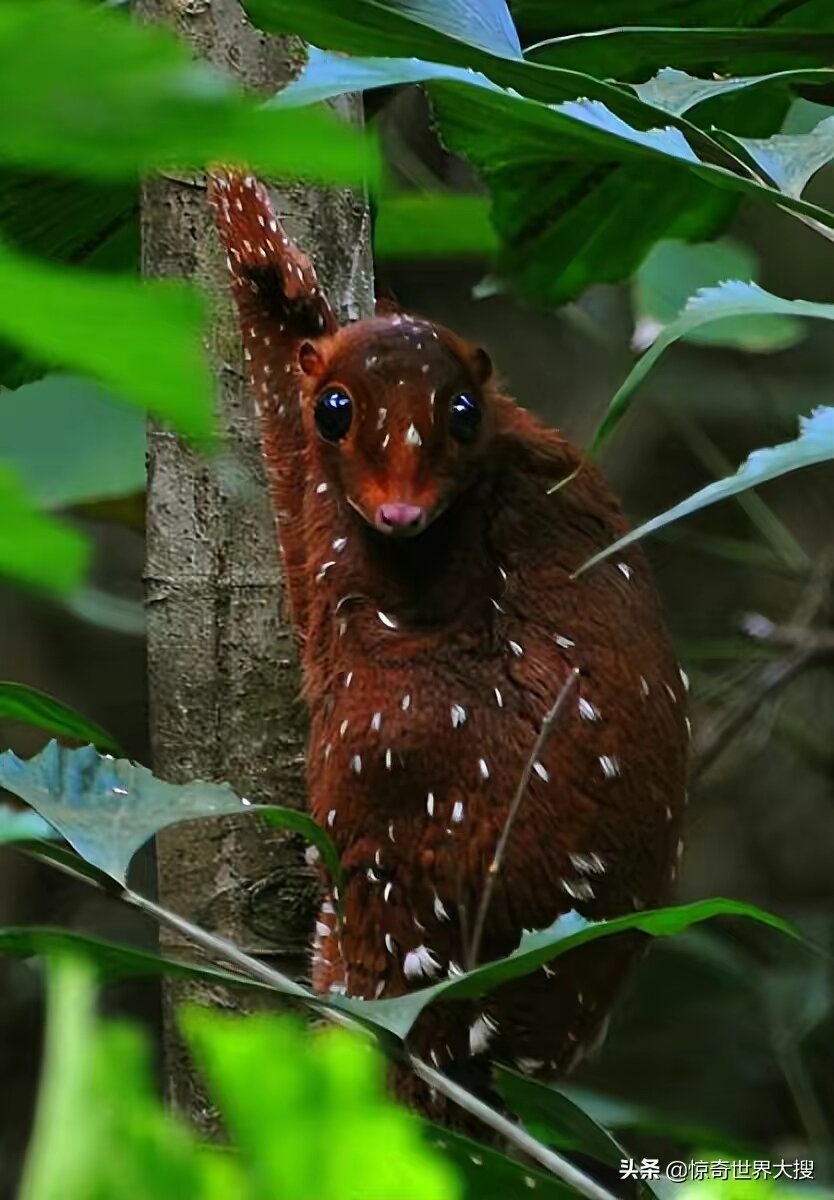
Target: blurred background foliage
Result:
[[566, 241]]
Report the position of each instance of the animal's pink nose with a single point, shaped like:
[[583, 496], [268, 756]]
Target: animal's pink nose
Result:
[[397, 517]]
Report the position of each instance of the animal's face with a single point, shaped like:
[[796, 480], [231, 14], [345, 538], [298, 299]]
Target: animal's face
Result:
[[400, 413]]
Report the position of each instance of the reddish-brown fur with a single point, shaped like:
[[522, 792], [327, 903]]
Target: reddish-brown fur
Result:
[[430, 662]]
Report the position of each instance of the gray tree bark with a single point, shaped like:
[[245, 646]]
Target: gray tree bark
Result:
[[222, 672]]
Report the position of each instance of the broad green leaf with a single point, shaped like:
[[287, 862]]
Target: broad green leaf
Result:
[[433, 224], [70, 442], [731, 299], [676, 92], [69, 220], [814, 445], [107, 808], [32, 707], [632, 51], [37, 550], [556, 1119], [17, 826], [142, 340], [112, 962], [536, 949], [543, 17], [674, 271], [310, 1114], [101, 1130], [578, 196], [374, 30], [790, 160], [563, 177], [85, 90]]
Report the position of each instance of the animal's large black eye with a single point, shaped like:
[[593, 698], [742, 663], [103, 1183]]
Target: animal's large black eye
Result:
[[464, 417], [333, 414]]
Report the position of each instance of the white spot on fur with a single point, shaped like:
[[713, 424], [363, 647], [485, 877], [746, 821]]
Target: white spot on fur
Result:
[[481, 1033], [420, 962], [610, 765]]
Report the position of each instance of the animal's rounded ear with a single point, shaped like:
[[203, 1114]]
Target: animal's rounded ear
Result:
[[310, 359], [481, 364]]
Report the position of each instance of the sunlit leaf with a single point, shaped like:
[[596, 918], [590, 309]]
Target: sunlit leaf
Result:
[[563, 177], [790, 160], [100, 1128], [310, 1115], [107, 808], [88, 91], [32, 707], [142, 340], [677, 92], [483, 23], [731, 299], [815, 444], [70, 442], [35, 549]]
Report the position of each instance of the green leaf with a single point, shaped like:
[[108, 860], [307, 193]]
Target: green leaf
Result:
[[141, 102], [98, 1094], [488, 1175], [630, 52], [37, 550], [536, 949], [17, 826], [69, 220], [563, 181], [556, 1119], [433, 224], [310, 1114], [790, 160], [565, 224], [676, 92], [674, 271], [483, 23], [26, 704], [70, 442], [815, 444], [543, 17], [143, 340], [112, 962], [107, 808], [731, 299]]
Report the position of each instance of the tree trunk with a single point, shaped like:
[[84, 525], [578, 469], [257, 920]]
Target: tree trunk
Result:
[[222, 671]]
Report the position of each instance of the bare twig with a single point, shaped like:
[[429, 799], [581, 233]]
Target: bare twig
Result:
[[809, 647], [550, 719]]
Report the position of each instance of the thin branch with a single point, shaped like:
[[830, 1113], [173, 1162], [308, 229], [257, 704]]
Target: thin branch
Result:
[[551, 717], [714, 739]]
